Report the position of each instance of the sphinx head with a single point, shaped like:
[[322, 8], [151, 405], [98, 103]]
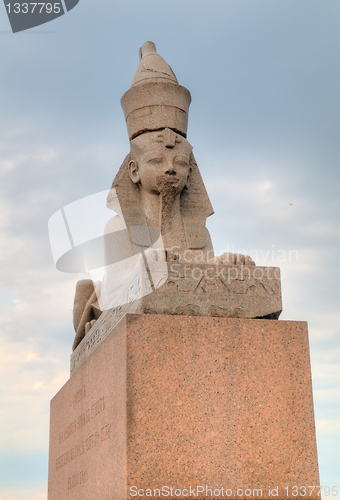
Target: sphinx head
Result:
[[160, 162]]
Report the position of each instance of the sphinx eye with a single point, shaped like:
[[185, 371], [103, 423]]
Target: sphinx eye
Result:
[[156, 160], [182, 162]]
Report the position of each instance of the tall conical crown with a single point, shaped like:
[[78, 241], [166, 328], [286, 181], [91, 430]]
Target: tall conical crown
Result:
[[155, 99]]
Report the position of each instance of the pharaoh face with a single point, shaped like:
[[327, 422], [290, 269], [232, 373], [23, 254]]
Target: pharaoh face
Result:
[[160, 162]]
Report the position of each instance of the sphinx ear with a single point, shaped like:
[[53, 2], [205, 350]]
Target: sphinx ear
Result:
[[134, 171], [187, 184]]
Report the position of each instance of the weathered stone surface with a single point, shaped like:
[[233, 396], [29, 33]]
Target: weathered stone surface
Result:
[[84, 291], [155, 100], [96, 336], [187, 401], [210, 290], [177, 203]]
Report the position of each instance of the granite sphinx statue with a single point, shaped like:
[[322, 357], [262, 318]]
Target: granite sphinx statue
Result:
[[158, 184], [177, 373]]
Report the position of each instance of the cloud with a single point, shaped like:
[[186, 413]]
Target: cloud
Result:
[[328, 439], [264, 126], [24, 493], [29, 382]]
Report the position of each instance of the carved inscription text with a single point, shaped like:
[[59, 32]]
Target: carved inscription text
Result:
[[80, 421], [84, 446], [77, 479], [79, 395]]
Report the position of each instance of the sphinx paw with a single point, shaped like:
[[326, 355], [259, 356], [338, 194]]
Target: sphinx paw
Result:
[[233, 259]]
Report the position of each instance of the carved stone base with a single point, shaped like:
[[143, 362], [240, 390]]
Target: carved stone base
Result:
[[180, 402], [212, 290]]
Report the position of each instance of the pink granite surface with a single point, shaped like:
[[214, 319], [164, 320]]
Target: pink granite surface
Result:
[[189, 401], [87, 459]]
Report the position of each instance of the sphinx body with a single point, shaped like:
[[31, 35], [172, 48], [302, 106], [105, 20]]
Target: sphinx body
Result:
[[158, 184]]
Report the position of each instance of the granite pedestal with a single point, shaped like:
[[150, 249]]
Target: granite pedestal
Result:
[[184, 402]]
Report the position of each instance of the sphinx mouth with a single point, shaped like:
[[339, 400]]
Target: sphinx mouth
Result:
[[164, 180], [168, 186]]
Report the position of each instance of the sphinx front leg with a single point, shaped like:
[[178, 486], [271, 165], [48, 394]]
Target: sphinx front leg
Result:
[[233, 259], [83, 316]]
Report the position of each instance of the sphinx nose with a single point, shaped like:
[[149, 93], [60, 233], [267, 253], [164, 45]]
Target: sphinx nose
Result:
[[170, 169]]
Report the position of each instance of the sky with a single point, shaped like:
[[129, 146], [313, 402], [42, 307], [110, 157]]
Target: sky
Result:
[[264, 124]]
